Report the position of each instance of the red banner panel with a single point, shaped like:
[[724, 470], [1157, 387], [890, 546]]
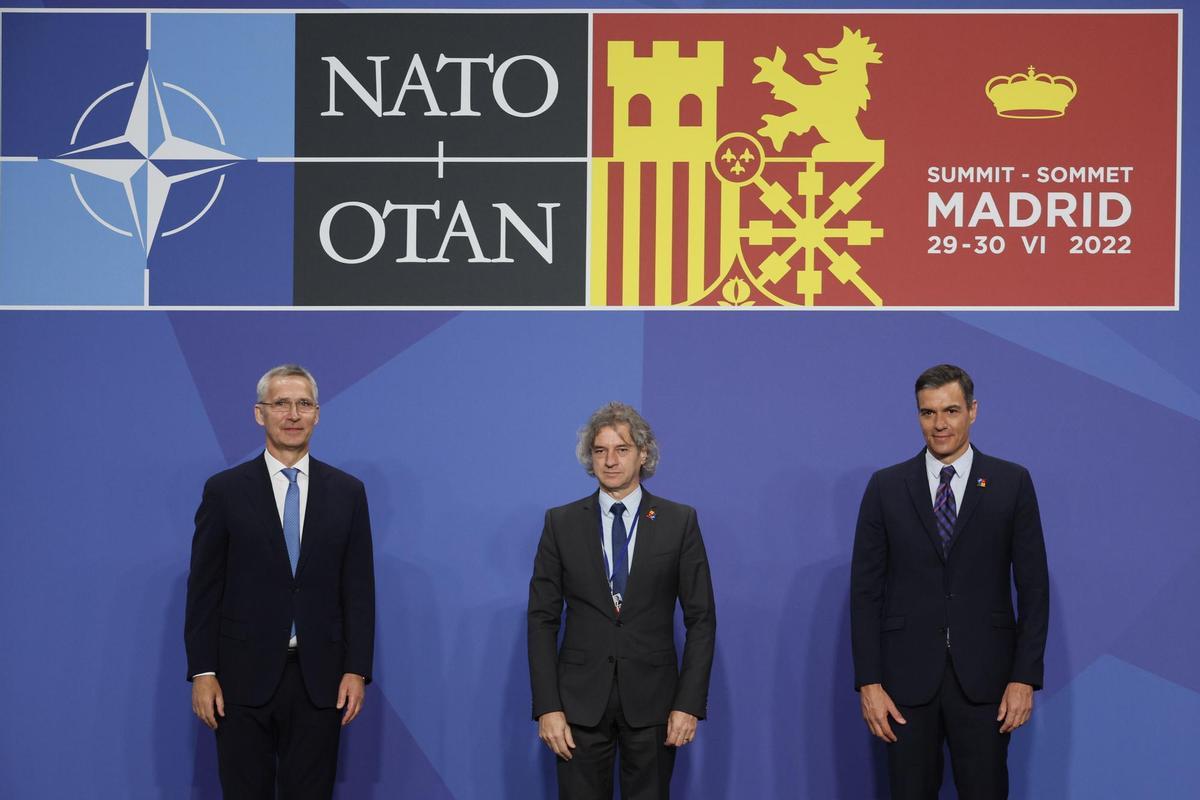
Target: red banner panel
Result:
[[914, 159]]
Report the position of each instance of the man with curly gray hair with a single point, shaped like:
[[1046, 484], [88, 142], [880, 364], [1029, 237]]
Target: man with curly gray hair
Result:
[[617, 684]]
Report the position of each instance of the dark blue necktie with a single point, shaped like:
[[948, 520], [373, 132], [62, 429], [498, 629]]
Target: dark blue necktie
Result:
[[620, 550], [291, 520], [945, 510]]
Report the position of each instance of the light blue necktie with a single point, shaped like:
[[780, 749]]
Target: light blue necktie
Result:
[[291, 521]]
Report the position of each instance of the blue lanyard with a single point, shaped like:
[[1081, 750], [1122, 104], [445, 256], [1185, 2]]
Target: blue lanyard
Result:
[[624, 546]]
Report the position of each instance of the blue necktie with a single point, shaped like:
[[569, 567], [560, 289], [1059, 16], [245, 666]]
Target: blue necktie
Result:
[[945, 510], [291, 521], [620, 549]]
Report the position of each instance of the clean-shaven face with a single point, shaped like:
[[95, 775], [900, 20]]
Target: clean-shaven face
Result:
[[946, 420], [289, 425]]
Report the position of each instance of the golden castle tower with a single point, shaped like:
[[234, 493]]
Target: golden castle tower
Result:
[[654, 98]]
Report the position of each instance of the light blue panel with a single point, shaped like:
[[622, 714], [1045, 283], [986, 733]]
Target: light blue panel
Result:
[[107, 198], [106, 448], [1116, 731], [52, 252], [463, 441], [1172, 610], [1081, 342], [241, 66]]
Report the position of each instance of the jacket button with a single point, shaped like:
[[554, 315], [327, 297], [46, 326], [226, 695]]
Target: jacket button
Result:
[[611, 659], [618, 623], [295, 590]]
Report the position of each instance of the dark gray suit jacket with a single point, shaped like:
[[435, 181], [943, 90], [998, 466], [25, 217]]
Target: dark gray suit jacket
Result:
[[669, 565]]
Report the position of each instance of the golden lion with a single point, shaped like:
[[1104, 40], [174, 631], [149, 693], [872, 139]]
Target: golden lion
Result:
[[830, 106]]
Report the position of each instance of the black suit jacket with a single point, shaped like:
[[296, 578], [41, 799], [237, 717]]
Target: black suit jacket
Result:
[[905, 594], [242, 597], [669, 564]]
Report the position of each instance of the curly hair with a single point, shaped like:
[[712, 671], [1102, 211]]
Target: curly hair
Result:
[[613, 415]]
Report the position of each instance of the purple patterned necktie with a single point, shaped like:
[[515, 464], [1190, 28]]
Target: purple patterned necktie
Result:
[[945, 510]]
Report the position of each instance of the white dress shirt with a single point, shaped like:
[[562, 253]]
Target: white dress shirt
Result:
[[958, 484], [279, 484], [632, 501]]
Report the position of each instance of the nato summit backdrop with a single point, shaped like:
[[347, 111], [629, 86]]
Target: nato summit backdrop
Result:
[[476, 223]]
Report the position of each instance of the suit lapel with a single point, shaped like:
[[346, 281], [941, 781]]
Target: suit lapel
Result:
[[312, 512], [918, 492], [262, 500], [971, 497], [592, 530]]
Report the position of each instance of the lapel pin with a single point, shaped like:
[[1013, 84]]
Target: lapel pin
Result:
[[651, 514], [981, 483]]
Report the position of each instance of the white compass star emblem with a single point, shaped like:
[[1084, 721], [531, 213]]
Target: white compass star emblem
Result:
[[112, 159]]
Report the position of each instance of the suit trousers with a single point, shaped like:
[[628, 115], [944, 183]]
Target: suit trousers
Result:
[[287, 746], [645, 764], [978, 751]]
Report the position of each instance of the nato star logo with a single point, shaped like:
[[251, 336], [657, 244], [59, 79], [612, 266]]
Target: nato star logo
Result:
[[147, 154]]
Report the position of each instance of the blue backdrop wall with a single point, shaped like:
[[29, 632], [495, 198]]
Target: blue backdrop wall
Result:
[[462, 426]]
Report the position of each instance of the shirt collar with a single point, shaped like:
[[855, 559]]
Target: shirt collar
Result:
[[274, 464], [962, 465], [632, 501]]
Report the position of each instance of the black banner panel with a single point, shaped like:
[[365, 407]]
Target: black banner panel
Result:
[[441, 159], [482, 234]]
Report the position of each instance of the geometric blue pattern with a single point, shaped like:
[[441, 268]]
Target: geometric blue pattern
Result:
[[1116, 732], [1085, 342], [463, 430]]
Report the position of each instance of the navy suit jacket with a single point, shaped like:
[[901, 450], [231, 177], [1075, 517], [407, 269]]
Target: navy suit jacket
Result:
[[242, 596], [669, 564], [905, 594]]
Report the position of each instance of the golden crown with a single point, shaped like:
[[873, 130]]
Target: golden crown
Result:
[[1030, 94]]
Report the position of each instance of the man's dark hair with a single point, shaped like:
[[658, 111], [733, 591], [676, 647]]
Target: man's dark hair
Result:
[[943, 374]]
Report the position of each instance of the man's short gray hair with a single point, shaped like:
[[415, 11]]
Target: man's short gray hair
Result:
[[285, 371], [612, 415]]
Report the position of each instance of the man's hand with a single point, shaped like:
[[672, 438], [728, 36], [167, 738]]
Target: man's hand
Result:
[[350, 696], [556, 733], [1015, 707], [876, 707], [206, 695], [681, 728]]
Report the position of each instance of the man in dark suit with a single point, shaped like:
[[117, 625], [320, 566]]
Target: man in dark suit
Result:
[[937, 648], [280, 625], [619, 559]]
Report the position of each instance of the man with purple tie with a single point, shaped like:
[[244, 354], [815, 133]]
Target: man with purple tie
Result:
[[940, 657]]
